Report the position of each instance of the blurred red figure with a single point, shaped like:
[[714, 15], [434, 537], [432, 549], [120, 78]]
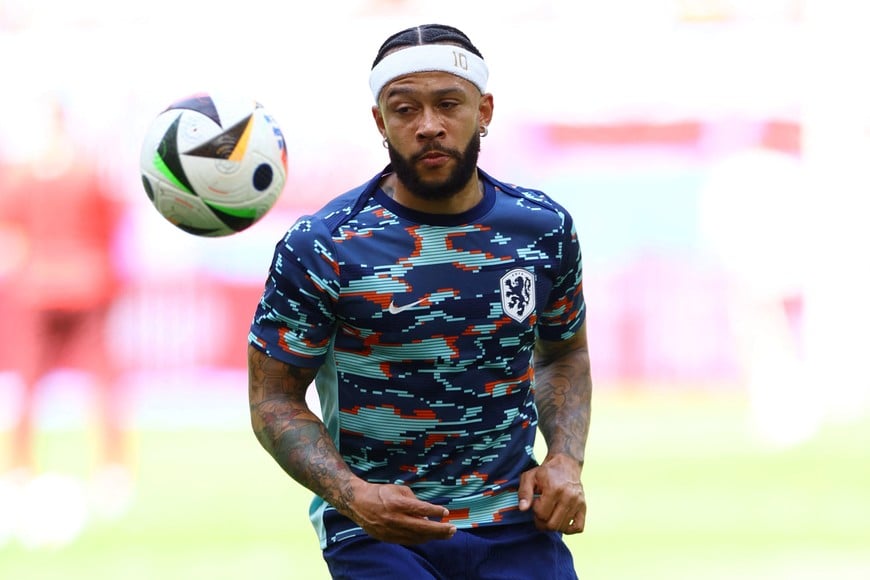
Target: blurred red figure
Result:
[[61, 289]]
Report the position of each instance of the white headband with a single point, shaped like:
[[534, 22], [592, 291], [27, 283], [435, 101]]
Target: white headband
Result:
[[427, 58]]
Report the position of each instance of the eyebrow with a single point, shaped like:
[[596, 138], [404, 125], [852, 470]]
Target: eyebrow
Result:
[[399, 91]]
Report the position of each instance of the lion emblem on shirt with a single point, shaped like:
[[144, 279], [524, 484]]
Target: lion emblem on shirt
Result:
[[518, 294]]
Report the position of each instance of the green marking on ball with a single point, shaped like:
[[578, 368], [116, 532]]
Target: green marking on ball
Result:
[[164, 169], [240, 212]]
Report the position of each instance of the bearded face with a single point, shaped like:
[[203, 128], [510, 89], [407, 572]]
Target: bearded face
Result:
[[436, 189]]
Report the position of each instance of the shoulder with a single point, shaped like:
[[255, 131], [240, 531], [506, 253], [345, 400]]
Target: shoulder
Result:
[[345, 206], [342, 208], [532, 201], [311, 239], [337, 211]]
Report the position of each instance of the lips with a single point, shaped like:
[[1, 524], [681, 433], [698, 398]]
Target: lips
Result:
[[434, 156]]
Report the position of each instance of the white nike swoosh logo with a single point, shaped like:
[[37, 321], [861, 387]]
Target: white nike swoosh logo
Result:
[[393, 309]]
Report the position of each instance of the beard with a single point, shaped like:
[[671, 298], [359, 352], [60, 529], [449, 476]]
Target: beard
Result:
[[466, 167]]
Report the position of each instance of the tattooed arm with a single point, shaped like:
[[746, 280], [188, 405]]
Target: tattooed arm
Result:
[[563, 396], [298, 440]]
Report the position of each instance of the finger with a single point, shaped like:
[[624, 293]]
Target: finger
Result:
[[435, 530], [560, 518], [430, 530], [526, 492], [559, 508], [577, 523], [418, 531], [558, 511], [543, 507], [424, 509], [401, 499]]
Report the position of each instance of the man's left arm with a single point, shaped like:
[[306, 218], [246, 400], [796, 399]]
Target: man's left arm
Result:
[[563, 394]]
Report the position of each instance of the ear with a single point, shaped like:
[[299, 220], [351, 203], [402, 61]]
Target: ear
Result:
[[486, 108], [379, 120]]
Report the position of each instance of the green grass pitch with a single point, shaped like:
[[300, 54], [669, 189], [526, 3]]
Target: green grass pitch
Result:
[[677, 486]]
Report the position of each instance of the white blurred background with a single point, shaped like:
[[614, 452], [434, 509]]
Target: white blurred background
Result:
[[712, 151], [714, 154]]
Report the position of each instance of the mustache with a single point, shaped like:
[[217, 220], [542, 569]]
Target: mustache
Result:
[[437, 148]]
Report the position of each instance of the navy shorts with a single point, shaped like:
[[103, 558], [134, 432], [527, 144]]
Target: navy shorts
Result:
[[508, 552]]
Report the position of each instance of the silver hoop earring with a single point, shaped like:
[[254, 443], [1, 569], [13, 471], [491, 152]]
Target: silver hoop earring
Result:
[[385, 143], [484, 131]]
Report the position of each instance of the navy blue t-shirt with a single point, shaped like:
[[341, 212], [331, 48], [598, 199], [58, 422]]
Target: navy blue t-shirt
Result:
[[423, 327]]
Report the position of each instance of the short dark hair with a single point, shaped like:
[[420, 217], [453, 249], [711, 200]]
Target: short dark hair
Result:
[[426, 34]]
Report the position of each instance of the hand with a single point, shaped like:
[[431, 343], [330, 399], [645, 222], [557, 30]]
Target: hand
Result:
[[554, 493], [392, 513]]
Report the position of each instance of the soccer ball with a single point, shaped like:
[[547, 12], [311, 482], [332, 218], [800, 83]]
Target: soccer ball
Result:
[[213, 165]]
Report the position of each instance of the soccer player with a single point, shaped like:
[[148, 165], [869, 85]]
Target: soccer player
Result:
[[440, 314]]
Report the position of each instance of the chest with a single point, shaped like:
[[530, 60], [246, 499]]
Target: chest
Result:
[[422, 281]]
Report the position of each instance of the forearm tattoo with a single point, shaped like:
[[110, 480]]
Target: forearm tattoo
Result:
[[563, 393], [291, 432]]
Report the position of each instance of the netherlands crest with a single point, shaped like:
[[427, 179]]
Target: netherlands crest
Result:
[[518, 294]]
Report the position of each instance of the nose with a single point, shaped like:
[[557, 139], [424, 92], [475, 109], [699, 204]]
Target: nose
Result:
[[430, 126]]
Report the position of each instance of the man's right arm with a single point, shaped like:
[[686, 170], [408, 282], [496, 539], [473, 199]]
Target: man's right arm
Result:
[[292, 434], [298, 440]]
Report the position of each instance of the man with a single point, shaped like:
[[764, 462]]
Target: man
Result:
[[440, 313], [60, 289]]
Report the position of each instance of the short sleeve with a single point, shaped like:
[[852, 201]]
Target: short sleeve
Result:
[[294, 321], [565, 311]]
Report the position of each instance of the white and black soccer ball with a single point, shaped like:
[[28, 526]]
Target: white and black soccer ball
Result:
[[213, 165]]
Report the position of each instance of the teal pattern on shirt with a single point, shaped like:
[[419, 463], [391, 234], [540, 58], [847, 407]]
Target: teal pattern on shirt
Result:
[[423, 329]]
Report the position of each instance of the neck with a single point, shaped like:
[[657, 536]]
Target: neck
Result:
[[465, 199]]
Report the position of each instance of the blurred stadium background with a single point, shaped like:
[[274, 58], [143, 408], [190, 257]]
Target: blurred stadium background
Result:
[[714, 154]]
